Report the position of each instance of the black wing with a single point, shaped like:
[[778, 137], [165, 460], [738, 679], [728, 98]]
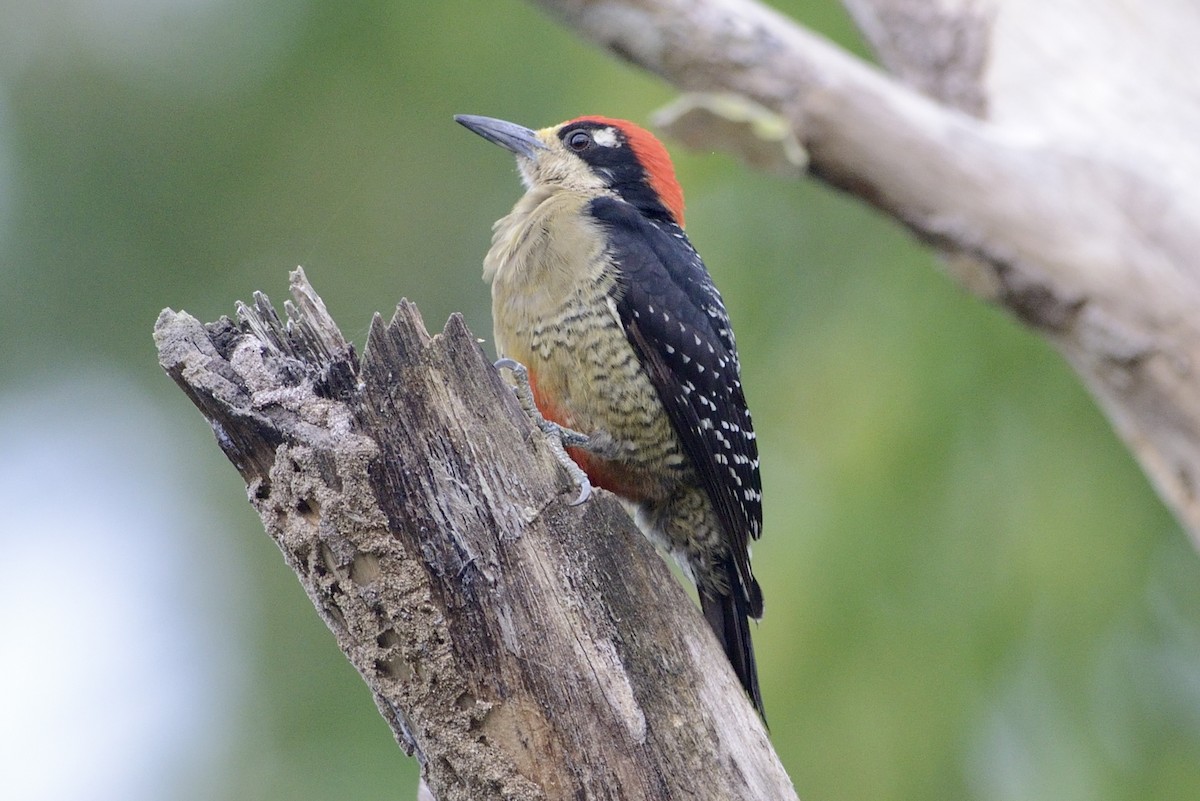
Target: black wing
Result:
[[676, 321]]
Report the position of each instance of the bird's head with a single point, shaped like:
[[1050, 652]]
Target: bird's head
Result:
[[591, 154]]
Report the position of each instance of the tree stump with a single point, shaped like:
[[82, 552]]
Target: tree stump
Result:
[[518, 646]]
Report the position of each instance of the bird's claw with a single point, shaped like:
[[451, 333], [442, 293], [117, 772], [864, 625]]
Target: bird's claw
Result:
[[559, 438], [514, 366]]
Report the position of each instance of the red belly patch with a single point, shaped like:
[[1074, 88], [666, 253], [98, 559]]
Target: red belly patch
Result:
[[612, 476]]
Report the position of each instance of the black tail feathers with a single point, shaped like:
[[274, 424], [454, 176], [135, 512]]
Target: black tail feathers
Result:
[[729, 617]]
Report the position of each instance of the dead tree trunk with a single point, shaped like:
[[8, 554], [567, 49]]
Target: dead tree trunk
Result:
[[1047, 149], [519, 647]]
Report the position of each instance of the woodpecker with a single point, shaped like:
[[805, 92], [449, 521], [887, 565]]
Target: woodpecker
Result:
[[598, 292]]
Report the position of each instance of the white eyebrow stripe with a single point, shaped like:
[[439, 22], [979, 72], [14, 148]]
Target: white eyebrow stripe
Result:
[[606, 137]]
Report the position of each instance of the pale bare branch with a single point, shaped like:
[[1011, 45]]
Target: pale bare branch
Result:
[[1047, 149]]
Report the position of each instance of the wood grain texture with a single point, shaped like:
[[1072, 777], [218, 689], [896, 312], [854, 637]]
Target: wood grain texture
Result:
[[519, 647]]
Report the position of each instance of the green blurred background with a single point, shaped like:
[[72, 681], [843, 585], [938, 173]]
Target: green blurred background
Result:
[[972, 593]]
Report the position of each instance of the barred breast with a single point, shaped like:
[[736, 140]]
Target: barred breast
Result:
[[553, 310]]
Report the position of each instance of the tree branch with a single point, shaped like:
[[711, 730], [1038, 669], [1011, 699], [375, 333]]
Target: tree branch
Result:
[[1047, 195], [521, 648]]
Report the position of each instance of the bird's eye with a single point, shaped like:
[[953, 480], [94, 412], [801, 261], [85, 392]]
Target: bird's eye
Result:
[[578, 140]]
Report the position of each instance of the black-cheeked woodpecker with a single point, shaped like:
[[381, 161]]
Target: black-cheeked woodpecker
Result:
[[597, 291]]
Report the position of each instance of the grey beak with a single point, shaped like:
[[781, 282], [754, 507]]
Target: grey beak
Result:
[[508, 135]]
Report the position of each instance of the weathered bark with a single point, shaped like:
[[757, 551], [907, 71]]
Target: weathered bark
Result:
[[1046, 148], [520, 647]]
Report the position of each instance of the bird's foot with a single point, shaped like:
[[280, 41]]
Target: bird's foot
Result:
[[559, 438]]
